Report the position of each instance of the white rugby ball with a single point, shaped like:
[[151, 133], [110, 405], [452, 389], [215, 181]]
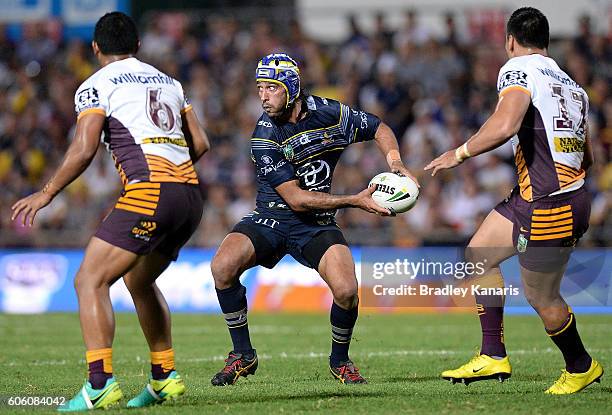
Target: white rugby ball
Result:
[[394, 192]]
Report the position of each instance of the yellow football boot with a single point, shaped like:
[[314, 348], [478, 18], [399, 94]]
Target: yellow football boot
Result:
[[575, 382], [481, 367]]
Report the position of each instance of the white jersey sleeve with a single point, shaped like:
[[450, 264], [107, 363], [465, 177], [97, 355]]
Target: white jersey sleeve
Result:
[[186, 104], [513, 76], [88, 99]]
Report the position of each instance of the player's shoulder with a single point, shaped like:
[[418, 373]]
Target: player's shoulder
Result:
[[531, 64], [517, 71], [88, 94], [326, 108], [91, 82], [264, 132], [519, 63], [147, 67]]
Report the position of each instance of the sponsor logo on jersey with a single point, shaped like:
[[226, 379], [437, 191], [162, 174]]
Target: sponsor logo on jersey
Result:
[[181, 142], [271, 167], [87, 98], [314, 173], [327, 139], [558, 76], [569, 145], [509, 78], [364, 118], [142, 78], [266, 124]]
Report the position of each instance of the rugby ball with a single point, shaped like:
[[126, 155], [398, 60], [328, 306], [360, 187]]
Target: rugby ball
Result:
[[394, 192]]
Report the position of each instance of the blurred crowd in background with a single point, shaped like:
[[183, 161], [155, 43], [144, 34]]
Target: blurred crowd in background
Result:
[[433, 91]]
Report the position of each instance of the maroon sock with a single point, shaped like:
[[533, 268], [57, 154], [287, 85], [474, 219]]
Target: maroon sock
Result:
[[567, 339], [97, 376], [158, 373], [492, 324]]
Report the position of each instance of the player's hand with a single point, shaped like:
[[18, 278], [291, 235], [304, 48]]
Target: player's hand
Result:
[[398, 167], [29, 206], [445, 161], [364, 201]]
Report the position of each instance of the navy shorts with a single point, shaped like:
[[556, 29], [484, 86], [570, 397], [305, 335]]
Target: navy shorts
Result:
[[545, 231], [153, 216], [277, 233]]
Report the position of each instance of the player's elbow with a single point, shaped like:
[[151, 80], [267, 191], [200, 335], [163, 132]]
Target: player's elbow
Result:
[[298, 205], [509, 129], [297, 201], [85, 152], [204, 146]]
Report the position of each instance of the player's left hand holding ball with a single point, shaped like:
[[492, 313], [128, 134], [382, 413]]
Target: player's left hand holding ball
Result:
[[29, 206]]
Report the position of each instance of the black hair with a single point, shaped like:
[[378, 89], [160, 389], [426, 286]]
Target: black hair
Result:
[[529, 27], [116, 34]]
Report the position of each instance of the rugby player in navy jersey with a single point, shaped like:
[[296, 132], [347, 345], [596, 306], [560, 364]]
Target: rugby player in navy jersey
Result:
[[296, 145]]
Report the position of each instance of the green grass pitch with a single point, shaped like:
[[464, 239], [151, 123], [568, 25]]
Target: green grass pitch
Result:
[[400, 355]]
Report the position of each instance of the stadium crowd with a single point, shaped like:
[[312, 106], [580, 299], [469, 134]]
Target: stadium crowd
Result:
[[433, 91]]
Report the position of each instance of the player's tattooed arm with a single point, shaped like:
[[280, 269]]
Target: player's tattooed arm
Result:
[[195, 135], [79, 155], [387, 144], [499, 128], [300, 200]]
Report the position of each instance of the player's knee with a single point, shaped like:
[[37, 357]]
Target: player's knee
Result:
[[225, 271], [470, 253], [543, 304], [90, 278], [482, 256], [533, 299], [86, 281], [346, 295]]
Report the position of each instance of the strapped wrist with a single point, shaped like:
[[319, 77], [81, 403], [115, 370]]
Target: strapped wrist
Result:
[[462, 153], [393, 156]]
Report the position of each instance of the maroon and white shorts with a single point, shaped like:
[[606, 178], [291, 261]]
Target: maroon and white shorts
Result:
[[153, 216], [546, 230]]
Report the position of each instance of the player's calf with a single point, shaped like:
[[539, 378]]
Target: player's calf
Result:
[[225, 272]]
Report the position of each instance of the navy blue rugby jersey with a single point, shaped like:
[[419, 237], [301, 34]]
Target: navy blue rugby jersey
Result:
[[307, 151]]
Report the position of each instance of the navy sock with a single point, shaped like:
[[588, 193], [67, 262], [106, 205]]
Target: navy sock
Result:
[[233, 303], [342, 323], [567, 339]]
